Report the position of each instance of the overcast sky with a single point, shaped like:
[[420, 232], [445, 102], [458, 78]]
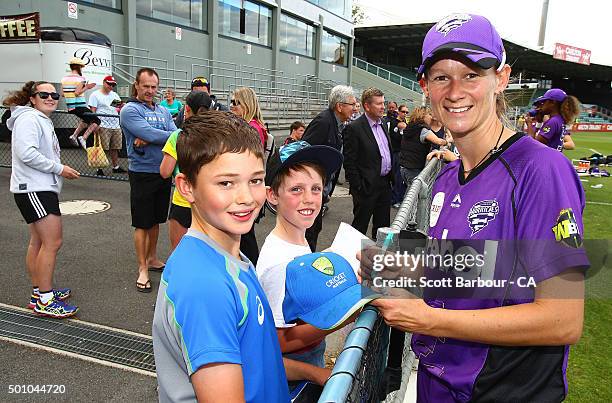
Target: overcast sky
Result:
[[585, 24]]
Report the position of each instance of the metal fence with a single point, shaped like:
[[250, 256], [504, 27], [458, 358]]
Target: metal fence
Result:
[[358, 373], [72, 155]]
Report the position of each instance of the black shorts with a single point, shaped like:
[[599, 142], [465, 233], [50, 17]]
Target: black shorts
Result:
[[149, 199], [181, 214], [36, 205], [85, 114]]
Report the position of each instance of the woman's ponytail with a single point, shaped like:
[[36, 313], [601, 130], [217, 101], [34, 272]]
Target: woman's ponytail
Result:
[[22, 97]]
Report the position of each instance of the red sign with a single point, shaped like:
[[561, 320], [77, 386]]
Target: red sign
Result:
[[591, 127], [572, 54]]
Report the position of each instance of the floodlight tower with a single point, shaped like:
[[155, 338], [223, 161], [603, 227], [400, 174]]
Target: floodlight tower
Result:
[[543, 24]]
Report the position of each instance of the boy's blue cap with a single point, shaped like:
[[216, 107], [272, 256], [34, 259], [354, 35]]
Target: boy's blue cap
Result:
[[300, 151], [321, 289]]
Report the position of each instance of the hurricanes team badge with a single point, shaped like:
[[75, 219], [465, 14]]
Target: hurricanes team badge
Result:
[[324, 265], [451, 22], [481, 213]]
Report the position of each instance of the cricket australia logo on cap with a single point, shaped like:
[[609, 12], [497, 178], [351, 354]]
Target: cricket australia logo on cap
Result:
[[481, 213], [451, 22], [324, 265]]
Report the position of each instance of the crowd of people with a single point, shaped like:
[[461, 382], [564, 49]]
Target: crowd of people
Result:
[[237, 322]]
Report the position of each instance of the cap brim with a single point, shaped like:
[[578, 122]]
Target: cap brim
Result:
[[337, 310], [328, 157], [483, 58]]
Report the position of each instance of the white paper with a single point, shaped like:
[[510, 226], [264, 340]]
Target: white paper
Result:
[[347, 242]]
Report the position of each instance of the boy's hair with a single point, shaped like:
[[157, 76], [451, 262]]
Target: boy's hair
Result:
[[208, 135], [300, 166], [296, 125]]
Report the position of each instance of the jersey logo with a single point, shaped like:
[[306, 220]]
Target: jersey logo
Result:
[[436, 208], [260, 310], [451, 22], [324, 265], [481, 213], [456, 203], [546, 129], [566, 230]]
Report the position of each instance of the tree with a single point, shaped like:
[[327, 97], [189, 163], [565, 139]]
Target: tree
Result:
[[357, 14]]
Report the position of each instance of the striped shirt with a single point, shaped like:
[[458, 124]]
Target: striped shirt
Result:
[[69, 85]]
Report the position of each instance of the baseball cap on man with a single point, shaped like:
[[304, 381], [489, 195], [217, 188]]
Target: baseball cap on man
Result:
[[470, 35], [300, 151], [553, 94], [199, 99], [76, 60], [110, 80], [321, 289], [200, 82]]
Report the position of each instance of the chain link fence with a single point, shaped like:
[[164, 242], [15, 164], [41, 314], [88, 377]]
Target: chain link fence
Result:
[[358, 375], [71, 154]]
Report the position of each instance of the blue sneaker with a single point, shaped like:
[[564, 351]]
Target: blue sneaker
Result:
[[55, 309], [60, 293]]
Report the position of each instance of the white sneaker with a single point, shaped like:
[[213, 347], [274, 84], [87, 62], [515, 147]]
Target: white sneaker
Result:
[[82, 142], [73, 140]]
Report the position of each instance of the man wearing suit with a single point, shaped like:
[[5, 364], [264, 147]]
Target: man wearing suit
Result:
[[367, 164], [326, 129]]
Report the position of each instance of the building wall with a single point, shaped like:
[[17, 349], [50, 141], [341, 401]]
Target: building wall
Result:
[[159, 37]]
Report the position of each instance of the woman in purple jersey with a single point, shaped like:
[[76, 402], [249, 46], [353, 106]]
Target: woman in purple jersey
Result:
[[505, 342], [562, 110]]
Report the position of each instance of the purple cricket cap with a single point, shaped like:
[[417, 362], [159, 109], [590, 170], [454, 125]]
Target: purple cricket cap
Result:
[[472, 36], [554, 94]]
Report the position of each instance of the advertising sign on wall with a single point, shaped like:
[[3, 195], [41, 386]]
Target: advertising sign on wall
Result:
[[591, 127], [97, 60], [572, 54], [22, 27]]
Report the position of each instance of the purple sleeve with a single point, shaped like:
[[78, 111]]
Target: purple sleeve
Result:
[[551, 129], [549, 206]]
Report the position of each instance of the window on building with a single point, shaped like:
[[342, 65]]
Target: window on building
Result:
[[246, 20], [338, 7], [334, 48], [296, 36], [106, 3], [181, 12]]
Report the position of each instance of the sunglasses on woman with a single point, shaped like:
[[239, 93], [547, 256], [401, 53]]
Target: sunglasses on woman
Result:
[[233, 102], [44, 95]]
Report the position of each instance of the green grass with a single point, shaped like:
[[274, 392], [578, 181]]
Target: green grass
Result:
[[590, 360]]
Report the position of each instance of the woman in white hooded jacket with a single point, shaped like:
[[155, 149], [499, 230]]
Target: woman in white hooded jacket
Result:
[[36, 181]]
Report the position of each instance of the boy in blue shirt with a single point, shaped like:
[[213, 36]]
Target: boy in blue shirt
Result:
[[213, 330]]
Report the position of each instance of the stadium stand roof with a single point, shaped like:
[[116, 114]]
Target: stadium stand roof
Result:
[[406, 40]]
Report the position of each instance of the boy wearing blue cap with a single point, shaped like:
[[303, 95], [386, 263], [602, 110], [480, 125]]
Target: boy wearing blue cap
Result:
[[213, 334], [295, 178]]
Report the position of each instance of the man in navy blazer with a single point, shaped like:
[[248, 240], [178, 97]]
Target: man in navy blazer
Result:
[[367, 164], [326, 129]]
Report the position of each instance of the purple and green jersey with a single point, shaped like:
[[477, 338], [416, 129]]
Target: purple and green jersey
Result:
[[525, 194], [553, 130]]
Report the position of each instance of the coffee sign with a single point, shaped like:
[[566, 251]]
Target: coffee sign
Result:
[[21, 27]]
